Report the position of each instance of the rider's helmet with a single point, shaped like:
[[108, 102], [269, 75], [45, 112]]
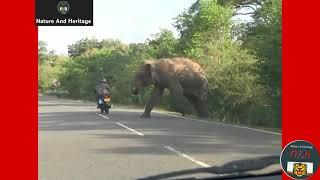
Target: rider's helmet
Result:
[[103, 80]]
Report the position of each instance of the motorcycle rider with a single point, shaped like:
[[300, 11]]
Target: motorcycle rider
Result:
[[101, 90]]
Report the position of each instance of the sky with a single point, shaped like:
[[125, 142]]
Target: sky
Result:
[[130, 21]]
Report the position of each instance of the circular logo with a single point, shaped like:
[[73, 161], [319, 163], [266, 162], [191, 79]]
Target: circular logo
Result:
[[63, 7], [299, 159]]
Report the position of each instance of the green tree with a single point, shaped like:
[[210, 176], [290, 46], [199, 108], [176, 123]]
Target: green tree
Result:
[[42, 51], [205, 31], [82, 46], [163, 44], [50, 67], [263, 37]]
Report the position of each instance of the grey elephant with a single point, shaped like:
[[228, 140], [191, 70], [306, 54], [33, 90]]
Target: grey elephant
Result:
[[184, 78]]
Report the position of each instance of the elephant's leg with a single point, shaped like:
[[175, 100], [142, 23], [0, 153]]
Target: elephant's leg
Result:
[[191, 99], [181, 103], [202, 108], [202, 101], [200, 105], [153, 100]]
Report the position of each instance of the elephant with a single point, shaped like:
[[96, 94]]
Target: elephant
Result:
[[184, 78]]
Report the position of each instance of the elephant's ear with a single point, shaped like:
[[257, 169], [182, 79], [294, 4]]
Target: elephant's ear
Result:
[[151, 69]]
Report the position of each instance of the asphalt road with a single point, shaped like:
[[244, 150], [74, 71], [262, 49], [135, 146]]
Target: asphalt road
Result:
[[76, 143]]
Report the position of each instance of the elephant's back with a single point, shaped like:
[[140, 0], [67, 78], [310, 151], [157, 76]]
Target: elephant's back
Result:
[[189, 73], [179, 65]]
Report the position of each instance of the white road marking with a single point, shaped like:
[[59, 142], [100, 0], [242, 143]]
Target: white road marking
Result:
[[66, 123], [130, 129], [122, 125], [47, 115], [192, 119], [64, 106], [103, 116], [186, 156], [49, 122]]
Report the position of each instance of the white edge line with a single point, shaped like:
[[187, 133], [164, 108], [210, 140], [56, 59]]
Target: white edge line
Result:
[[186, 156], [103, 116], [192, 119], [130, 129]]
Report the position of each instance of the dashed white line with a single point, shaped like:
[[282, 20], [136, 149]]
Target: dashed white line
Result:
[[103, 116], [186, 156], [130, 129], [124, 126]]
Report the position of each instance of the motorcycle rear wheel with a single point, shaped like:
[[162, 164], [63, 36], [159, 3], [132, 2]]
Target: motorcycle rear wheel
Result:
[[106, 109]]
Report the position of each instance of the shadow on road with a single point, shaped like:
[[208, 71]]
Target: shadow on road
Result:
[[72, 121]]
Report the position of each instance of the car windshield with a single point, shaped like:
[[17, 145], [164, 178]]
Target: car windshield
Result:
[[194, 87]]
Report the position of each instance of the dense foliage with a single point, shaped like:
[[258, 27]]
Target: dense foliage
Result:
[[242, 60]]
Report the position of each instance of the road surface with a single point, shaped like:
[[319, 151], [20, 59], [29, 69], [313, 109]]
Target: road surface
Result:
[[76, 143]]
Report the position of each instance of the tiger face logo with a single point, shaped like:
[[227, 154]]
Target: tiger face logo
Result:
[[299, 169]]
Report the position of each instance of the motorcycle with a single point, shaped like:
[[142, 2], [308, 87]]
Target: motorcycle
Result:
[[104, 103]]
